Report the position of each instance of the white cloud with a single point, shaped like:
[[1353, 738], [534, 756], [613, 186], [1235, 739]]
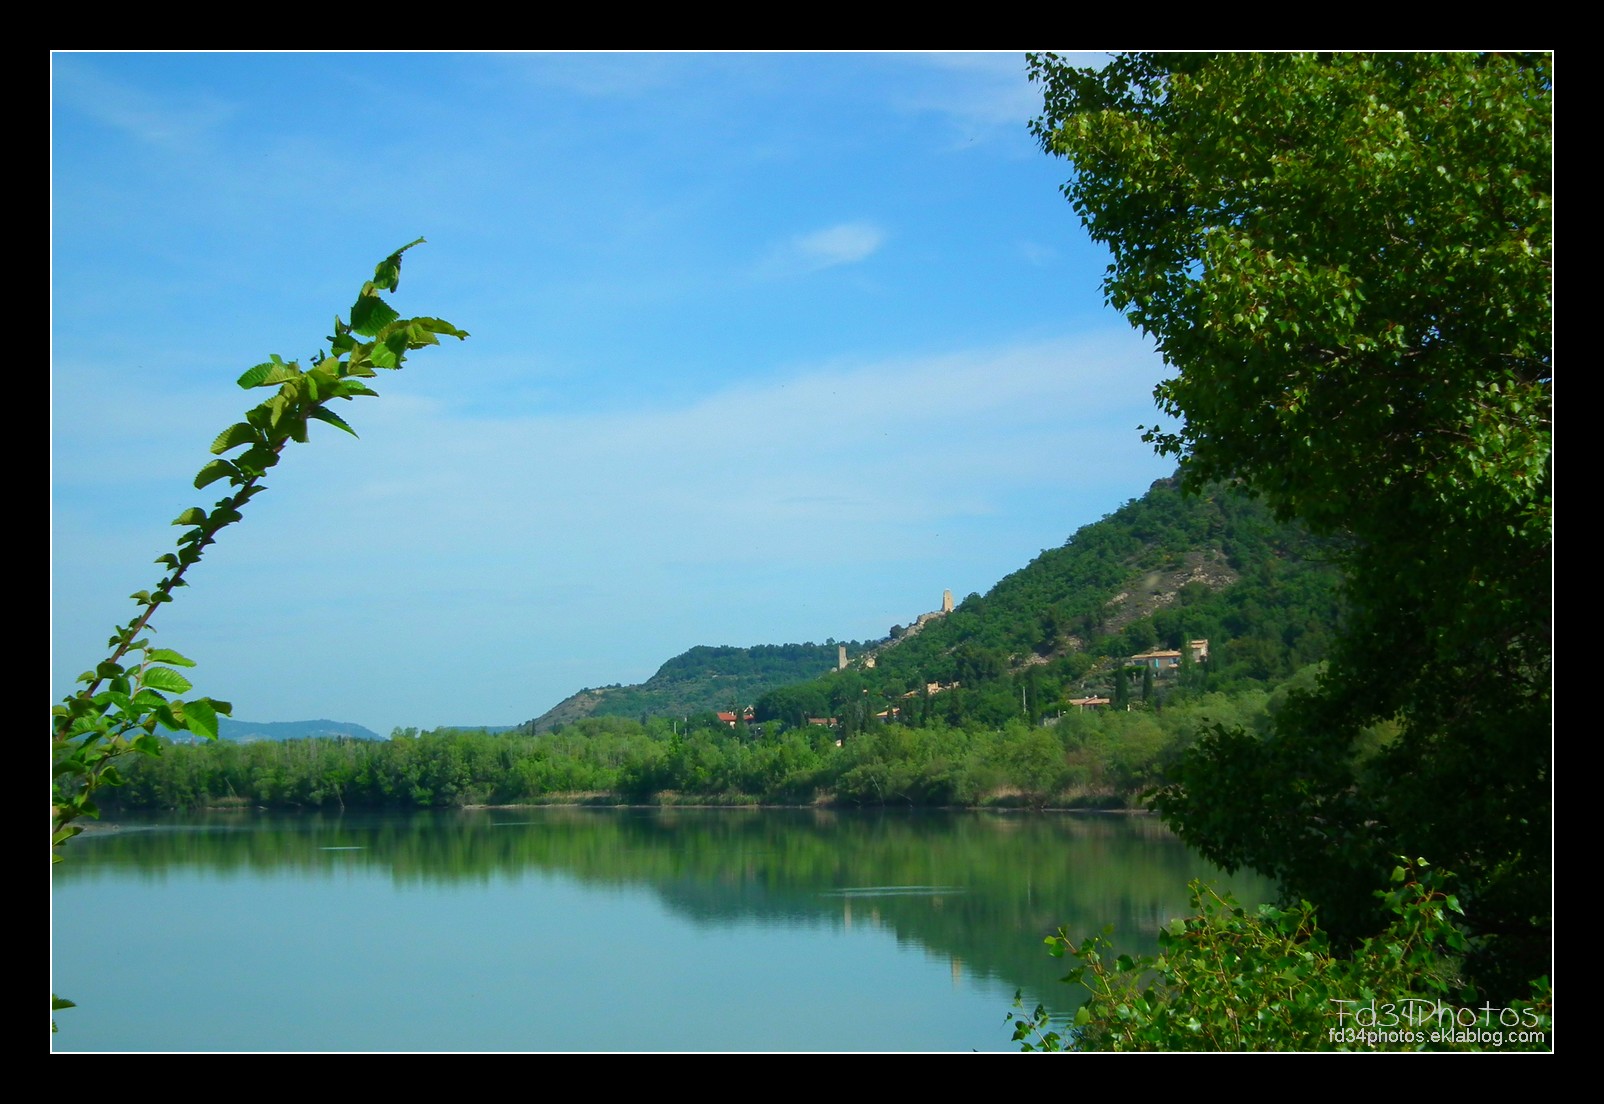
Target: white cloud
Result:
[[1037, 254], [845, 243], [441, 548], [848, 243]]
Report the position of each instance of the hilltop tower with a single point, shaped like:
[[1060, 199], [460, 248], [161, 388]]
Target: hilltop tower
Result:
[[840, 657], [946, 601]]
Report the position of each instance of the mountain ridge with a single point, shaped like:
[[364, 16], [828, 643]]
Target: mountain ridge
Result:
[[244, 732]]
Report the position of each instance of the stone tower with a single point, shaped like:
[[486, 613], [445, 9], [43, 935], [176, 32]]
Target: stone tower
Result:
[[840, 657], [946, 601]]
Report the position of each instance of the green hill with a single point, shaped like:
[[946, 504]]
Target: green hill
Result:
[[703, 679], [1162, 570]]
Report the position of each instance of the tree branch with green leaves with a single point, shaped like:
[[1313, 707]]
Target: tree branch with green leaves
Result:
[[126, 697]]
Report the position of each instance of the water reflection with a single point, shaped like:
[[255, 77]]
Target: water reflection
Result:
[[972, 894]]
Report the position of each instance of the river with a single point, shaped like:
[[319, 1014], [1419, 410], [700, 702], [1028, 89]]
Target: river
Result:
[[576, 929]]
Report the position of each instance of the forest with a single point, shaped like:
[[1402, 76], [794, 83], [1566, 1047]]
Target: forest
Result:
[[1088, 759]]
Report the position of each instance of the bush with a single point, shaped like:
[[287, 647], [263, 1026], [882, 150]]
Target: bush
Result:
[[1227, 980]]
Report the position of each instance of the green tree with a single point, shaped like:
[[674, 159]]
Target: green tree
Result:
[[1033, 759], [1347, 261], [1188, 676]]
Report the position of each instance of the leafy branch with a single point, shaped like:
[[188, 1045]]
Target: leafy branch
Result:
[[125, 698], [1226, 979]]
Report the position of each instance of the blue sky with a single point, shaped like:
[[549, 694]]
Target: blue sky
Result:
[[766, 348]]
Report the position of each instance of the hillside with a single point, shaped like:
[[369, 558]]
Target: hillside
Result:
[[703, 679], [1161, 570]]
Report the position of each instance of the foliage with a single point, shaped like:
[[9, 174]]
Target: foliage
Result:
[[1166, 567], [1097, 758], [1347, 260], [126, 697], [701, 678], [1227, 980]]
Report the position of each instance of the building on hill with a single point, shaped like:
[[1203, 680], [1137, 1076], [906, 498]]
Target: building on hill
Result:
[[1158, 661], [1170, 660]]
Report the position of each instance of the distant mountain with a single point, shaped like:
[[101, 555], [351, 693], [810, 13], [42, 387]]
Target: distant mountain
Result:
[[245, 732], [703, 679]]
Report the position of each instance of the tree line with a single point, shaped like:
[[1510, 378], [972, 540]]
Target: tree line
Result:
[[1086, 758]]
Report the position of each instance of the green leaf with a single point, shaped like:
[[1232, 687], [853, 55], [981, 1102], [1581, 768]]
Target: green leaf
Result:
[[254, 377], [323, 414], [192, 516], [256, 458], [201, 718], [282, 373], [240, 433], [213, 471], [167, 655], [165, 678], [439, 326], [370, 314], [387, 273]]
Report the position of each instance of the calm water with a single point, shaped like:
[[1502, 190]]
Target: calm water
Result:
[[579, 929]]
